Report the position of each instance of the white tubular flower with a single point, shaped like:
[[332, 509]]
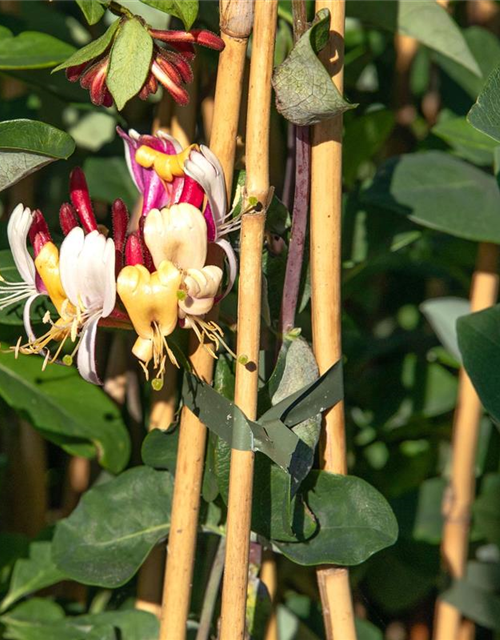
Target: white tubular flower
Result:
[[204, 167], [87, 268], [201, 287], [177, 234], [29, 288]]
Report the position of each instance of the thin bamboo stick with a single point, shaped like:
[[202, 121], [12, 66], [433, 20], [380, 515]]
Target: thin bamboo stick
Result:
[[461, 489], [249, 304], [326, 215], [236, 23], [269, 576]]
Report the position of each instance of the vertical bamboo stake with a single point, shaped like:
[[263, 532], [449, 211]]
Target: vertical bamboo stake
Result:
[[269, 576], [460, 492], [326, 214], [249, 304], [236, 24]]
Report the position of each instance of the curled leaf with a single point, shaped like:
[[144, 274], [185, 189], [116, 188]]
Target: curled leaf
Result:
[[305, 93]]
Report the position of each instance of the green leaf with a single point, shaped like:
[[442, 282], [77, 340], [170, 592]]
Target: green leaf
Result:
[[186, 10], [484, 114], [129, 515], [367, 631], [442, 314], [364, 136], [305, 93], [438, 191], [129, 624], [479, 343], [41, 619], [31, 50], [130, 61], [485, 48], [93, 10], [486, 509], [466, 142], [64, 407], [33, 573], [92, 50], [159, 449], [355, 521], [424, 20], [108, 179], [475, 603], [27, 145]]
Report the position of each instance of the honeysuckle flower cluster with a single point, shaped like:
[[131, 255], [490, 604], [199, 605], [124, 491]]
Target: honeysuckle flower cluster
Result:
[[170, 65], [150, 277]]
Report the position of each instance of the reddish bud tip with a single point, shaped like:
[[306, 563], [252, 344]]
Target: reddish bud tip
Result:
[[67, 218], [133, 250], [208, 39], [181, 65], [39, 232], [79, 194], [119, 215], [73, 73], [179, 94], [148, 258]]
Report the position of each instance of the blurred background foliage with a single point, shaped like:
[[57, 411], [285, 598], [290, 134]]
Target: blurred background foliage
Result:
[[400, 379]]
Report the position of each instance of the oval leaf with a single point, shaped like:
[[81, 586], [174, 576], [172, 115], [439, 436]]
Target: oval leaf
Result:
[[355, 521], [305, 93], [130, 61], [64, 407], [484, 115], [479, 343], [92, 50], [440, 192], [31, 50], [93, 10], [186, 10], [424, 20], [26, 145], [130, 514]]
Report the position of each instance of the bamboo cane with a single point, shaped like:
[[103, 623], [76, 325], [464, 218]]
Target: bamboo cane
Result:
[[249, 304], [269, 576], [236, 22], [326, 214], [460, 492]]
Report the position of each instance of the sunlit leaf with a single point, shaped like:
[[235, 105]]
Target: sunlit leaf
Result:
[[186, 10], [130, 61], [305, 93]]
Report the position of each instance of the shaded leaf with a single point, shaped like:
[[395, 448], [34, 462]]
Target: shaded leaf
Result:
[[91, 50], [130, 514], [27, 145], [108, 179], [31, 50], [355, 521], [467, 142], [33, 573], [130, 61], [424, 20], [479, 343], [186, 10], [486, 509], [475, 603], [484, 115], [305, 93], [440, 192], [442, 314], [159, 449], [64, 407], [93, 10]]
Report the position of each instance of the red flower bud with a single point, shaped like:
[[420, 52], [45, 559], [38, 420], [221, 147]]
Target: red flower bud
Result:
[[181, 65], [133, 250], [73, 73], [79, 194], [148, 258], [119, 215], [192, 193], [196, 36], [178, 93], [67, 218], [39, 233]]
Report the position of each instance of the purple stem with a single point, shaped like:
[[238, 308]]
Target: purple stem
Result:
[[295, 257]]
